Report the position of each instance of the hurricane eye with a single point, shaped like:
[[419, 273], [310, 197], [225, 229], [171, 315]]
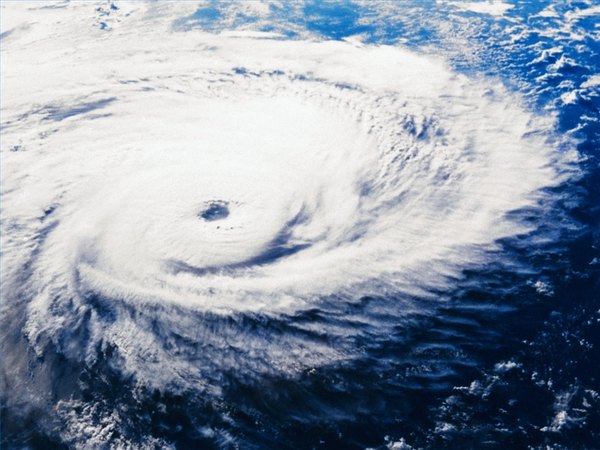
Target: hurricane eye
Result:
[[215, 211]]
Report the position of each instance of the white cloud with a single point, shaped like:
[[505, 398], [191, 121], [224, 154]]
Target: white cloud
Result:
[[496, 8]]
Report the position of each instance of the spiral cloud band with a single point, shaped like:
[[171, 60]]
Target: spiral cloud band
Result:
[[155, 179]]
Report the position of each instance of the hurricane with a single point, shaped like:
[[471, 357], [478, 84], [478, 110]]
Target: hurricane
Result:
[[239, 238]]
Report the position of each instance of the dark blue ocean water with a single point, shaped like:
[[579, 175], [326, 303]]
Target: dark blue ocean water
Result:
[[495, 362]]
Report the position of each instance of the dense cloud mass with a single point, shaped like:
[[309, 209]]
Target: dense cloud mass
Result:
[[176, 205]]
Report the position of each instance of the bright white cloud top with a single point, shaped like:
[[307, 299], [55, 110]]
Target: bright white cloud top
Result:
[[496, 8], [233, 173]]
